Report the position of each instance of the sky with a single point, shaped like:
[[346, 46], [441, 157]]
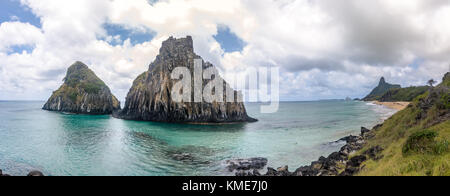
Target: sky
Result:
[[323, 49]]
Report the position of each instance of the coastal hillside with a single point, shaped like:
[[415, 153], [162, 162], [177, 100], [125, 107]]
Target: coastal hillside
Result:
[[403, 94], [380, 90], [150, 97], [82, 93], [415, 140]]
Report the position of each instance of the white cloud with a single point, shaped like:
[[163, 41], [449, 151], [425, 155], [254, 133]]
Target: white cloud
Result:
[[326, 49], [17, 33]]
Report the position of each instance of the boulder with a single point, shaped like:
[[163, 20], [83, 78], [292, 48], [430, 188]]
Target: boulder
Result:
[[283, 171], [356, 161], [246, 164], [364, 131], [374, 152], [35, 173], [271, 172]]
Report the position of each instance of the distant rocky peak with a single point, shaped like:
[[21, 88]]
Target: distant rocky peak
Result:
[[382, 81], [175, 46], [380, 90]]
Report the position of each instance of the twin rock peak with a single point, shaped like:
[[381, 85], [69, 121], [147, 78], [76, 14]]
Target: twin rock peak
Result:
[[149, 98]]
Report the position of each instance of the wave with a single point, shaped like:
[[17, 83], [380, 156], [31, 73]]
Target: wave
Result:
[[383, 111]]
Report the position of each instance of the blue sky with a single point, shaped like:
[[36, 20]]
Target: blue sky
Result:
[[12, 10], [135, 36], [229, 41]]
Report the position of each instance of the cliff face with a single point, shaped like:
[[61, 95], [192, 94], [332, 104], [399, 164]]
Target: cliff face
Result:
[[82, 93], [149, 99], [380, 90]]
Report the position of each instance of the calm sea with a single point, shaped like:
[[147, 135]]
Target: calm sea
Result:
[[65, 144]]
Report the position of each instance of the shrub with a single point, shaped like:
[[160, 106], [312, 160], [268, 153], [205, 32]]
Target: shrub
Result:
[[73, 96], [91, 88], [420, 142], [445, 101], [424, 142]]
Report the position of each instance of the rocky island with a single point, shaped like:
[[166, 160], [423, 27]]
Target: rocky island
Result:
[[149, 99], [82, 93]]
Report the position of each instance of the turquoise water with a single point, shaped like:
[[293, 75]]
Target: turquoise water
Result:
[[65, 144]]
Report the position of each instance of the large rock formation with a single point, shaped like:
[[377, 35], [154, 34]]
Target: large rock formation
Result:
[[150, 99], [380, 90], [82, 93]]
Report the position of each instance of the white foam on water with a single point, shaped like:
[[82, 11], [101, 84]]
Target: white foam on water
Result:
[[371, 104], [383, 111]]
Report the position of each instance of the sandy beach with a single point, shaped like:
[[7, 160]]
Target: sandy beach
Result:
[[394, 105]]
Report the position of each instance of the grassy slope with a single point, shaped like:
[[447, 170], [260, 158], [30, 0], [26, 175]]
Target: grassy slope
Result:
[[393, 135], [403, 94]]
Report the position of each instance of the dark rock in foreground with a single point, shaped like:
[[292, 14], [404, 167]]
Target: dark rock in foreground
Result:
[[35, 173], [150, 97], [246, 164], [32, 173], [2, 174], [82, 93]]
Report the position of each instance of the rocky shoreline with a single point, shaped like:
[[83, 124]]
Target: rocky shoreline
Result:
[[340, 163]]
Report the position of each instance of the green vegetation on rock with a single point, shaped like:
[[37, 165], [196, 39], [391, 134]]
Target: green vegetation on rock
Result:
[[82, 92], [80, 76]]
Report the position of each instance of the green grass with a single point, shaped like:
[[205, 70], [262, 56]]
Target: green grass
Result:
[[424, 142], [445, 101], [403, 94]]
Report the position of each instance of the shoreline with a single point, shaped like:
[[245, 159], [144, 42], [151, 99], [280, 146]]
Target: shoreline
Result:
[[399, 106], [338, 163]]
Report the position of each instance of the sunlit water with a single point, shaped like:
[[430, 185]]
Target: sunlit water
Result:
[[65, 144]]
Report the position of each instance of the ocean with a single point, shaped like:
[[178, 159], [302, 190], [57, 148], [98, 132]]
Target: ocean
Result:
[[66, 144]]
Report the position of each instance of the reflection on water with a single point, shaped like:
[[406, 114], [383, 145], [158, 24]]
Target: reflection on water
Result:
[[64, 144]]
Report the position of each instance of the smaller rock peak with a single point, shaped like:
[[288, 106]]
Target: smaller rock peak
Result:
[[174, 45], [382, 81]]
